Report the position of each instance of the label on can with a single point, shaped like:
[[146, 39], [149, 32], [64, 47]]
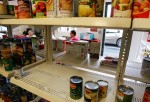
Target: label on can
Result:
[[39, 8], [76, 87], [3, 7], [87, 8], [91, 91], [146, 97], [51, 8], [18, 73], [8, 64], [24, 9], [119, 97], [64, 8], [99, 8], [103, 87], [122, 8]]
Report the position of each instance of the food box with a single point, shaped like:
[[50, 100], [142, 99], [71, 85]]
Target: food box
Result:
[[141, 9], [87, 8], [99, 8], [64, 8], [24, 9], [39, 8], [51, 8], [122, 8], [86, 36], [94, 49], [61, 45]]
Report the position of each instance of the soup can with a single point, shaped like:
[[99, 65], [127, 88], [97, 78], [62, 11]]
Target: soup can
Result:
[[103, 87], [3, 7], [122, 8], [64, 8], [146, 97], [124, 94], [91, 91], [87, 8], [51, 8], [76, 83], [24, 9]]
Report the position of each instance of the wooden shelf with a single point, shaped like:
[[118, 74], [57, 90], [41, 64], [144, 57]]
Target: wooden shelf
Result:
[[6, 74], [7, 16], [142, 24], [118, 23], [51, 82]]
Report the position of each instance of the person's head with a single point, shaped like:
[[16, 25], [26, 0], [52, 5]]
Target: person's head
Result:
[[72, 33]]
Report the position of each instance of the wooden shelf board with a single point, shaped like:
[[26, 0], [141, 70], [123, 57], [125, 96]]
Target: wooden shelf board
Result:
[[118, 23], [51, 82], [141, 24]]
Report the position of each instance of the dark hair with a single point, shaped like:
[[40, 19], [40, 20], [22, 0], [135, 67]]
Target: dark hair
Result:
[[73, 32], [26, 32]]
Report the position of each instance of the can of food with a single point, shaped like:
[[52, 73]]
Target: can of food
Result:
[[51, 8], [39, 8], [10, 9], [87, 8], [124, 94], [3, 7], [24, 9], [103, 87], [91, 91], [99, 8], [64, 8], [18, 72], [146, 97], [122, 8], [76, 83]]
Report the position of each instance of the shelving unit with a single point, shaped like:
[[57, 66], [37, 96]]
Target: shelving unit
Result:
[[51, 81]]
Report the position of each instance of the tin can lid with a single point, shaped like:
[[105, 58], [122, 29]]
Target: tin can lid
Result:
[[147, 59], [76, 79], [125, 89], [91, 85], [102, 83]]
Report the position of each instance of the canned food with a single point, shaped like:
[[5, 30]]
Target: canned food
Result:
[[124, 94], [51, 8], [91, 91], [3, 7], [103, 87], [18, 72], [76, 84], [146, 97], [87, 8], [64, 8]]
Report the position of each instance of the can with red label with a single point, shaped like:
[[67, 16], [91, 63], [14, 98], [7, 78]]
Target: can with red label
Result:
[[24, 9], [91, 91], [103, 87], [76, 83], [146, 97]]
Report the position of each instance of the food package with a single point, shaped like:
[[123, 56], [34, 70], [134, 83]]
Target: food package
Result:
[[51, 8], [39, 8], [3, 7], [122, 8], [24, 9], [64, 8], [87, 8], [141, 9]]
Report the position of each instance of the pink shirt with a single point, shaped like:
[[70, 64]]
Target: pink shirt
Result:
[[74, 39]]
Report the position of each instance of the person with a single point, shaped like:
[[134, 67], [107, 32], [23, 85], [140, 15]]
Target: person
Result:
[[73, 36], [28, 33]]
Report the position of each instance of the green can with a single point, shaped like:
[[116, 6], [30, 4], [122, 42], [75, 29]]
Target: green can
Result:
[[124, 94], [8, 64], [76, 83]]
